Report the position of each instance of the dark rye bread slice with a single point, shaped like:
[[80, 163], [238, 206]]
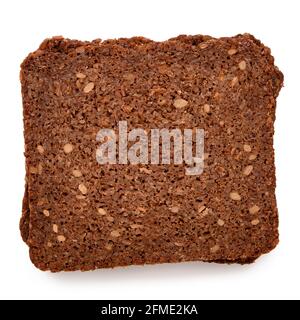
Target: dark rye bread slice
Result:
[[115, 215]]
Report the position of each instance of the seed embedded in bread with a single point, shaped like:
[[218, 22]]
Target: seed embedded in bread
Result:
[[61, 238], [234, 81], [180, 103], [201, 208], [232, 51], [55, 228], [83, 189], [220, 222], [215, 248], [40, 149], [203, 45], [115, 234], [110, 218], [242, 65], [255, 222], [136, 226], [254, 209], [247, 170], [252, 157], [174, 209], [46, 213], [76, 173], [178, 244], [68, 147], [80, 75], [247, 148], [235, 196], [89, 87], [108, 247], [101, 211], [206, 108]]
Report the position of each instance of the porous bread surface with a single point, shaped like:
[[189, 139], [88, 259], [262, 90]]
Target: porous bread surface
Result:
[[80, 215]]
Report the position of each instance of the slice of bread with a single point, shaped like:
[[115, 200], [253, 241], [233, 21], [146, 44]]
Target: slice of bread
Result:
[[79, 214]]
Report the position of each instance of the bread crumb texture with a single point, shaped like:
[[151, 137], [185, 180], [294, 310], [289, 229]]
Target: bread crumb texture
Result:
[[80, 215]]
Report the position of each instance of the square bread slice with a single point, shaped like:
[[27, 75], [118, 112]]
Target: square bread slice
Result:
[[79, 214]]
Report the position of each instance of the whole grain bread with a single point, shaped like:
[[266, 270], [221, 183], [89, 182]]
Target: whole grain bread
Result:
[[81, 215]]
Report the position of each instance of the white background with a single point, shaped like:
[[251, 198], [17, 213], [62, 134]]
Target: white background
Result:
[[24, 24]]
